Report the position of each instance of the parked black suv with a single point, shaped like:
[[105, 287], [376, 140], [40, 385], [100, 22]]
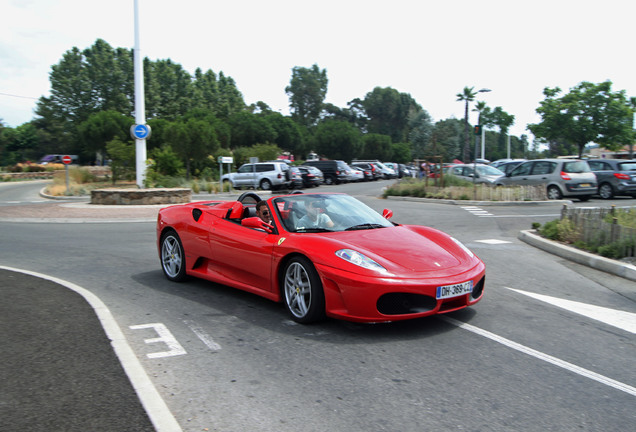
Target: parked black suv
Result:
[[334, 171]]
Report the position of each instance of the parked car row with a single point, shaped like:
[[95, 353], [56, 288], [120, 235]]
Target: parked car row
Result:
[[280, 175], [562, 177]]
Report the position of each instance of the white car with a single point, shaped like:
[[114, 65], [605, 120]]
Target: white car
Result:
[[265, 175], [485, 173], [356, 175]]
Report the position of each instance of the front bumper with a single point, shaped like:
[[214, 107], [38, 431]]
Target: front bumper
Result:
[[353, 297]]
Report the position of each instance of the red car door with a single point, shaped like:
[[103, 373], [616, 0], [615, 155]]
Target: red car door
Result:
[[242, 256]]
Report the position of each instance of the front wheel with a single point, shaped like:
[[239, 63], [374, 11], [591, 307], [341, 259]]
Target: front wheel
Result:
[[554, 193], [172, 257], [302, 289]]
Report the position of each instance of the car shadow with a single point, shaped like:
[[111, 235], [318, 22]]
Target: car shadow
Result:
[[261, 312]]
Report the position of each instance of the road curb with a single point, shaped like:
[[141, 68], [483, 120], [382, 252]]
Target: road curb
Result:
[[477, 203], [624, 270]]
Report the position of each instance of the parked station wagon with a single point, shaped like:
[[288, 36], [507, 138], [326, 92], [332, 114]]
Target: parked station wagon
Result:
[[562, 177]]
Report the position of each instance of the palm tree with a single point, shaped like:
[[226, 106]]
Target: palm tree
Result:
[[468, 96]]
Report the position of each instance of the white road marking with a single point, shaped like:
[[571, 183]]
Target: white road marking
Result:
[[205, 338], [544, 357], [527, 216], [166, 337], [477, 211], [493, 241], [623, 320]]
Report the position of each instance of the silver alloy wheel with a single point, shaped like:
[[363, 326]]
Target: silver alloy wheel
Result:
[[266, 184], [606, 191], [171, 256], [297, 290], [554, 193]]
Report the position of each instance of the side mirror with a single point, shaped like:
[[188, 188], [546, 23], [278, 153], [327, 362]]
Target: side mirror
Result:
[[387, 214], [257, 223]]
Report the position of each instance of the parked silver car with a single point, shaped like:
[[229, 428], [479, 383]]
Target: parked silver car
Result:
[[266, 175], [485, 173], [614, 177], [562, 177]]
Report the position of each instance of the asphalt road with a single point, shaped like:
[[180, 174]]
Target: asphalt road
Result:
[[528, 357]]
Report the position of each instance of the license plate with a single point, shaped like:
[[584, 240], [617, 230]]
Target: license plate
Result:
[[584, 185], [448, 291]]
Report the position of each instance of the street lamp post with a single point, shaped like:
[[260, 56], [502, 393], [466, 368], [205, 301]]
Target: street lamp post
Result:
[[483, 131], [484, 90]]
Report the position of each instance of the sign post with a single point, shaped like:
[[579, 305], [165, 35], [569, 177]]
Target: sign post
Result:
[[228, 160], [67, 161]]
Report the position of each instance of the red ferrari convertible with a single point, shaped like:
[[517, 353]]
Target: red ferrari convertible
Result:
[[324, 254]]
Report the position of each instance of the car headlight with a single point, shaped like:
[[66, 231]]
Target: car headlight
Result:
[[461, 245], [359, 259]]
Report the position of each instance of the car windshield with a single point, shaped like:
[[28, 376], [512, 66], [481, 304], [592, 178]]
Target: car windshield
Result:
[[488, 170], [576, 167], [311, 213]]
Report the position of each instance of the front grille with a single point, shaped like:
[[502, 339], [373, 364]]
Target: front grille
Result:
[[405, 303]]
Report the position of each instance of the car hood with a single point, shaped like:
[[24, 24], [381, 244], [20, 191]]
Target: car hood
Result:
[[407, 249]]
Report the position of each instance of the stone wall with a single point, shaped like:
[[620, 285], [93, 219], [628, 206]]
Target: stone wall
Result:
[[141, 196]]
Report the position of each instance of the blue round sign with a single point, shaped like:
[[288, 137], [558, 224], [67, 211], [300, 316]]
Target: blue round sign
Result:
[[140, 131]]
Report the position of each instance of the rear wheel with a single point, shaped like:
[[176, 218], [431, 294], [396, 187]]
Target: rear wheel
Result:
[[172, 257], [554, 193], [302, 289], [606, 191], [266, 184], [328, 180]]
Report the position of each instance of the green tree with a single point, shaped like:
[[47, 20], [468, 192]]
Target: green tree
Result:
[[588, 113], [337, 140], [263, 152], [421, 126], [503, 120], [376, 146], [19, 144], [122, 156], [166, 162], [248, 129], [389, 112], [445, 140], [288, 134], [192, 139], [401, 152], [467, 96], [100, 128], [307, 91]]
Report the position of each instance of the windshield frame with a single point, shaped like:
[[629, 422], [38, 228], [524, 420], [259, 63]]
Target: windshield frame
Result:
[[344, 210]]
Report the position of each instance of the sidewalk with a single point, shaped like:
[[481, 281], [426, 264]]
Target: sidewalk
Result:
[[81, 211], [60, 372]]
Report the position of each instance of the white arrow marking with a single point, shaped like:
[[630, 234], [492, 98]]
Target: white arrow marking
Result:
[[623, 320]]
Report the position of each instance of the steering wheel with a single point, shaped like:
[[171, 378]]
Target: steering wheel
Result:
[[249, 195], [296, 192]]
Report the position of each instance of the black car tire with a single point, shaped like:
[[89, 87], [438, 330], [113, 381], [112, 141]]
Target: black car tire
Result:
[[302, 291], [172, 257], [606, 191]]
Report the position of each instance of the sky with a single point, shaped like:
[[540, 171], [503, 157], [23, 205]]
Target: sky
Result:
[[428, 49]]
